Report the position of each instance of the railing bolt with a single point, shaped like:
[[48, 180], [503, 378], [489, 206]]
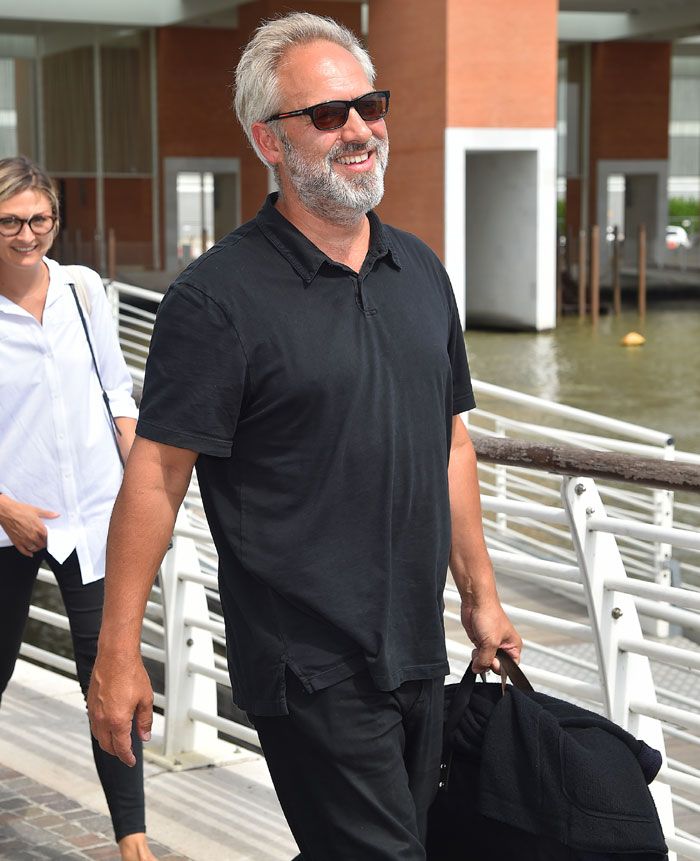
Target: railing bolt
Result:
[[579, 489], [190, 642], [616, 612], [590, 511]]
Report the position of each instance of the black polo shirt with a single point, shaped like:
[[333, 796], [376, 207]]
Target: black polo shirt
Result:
[[320, 402]]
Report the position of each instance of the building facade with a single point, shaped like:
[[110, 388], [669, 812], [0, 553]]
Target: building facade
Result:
[[496, 108]]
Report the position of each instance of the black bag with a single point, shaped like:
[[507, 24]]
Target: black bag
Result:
[[528, 777]]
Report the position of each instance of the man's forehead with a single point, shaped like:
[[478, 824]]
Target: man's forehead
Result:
[[319, 71]]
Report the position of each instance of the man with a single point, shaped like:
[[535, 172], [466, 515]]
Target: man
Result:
[[312, 366]]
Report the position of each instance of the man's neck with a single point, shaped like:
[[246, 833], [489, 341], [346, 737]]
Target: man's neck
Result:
[[346, 243]]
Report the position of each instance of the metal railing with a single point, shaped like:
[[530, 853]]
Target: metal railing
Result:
[[577, 564]]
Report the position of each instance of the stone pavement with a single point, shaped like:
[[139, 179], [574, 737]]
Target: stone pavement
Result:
[[40, 824], [52, 806]]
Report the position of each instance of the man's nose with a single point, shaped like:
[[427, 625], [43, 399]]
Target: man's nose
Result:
[[355, 128]]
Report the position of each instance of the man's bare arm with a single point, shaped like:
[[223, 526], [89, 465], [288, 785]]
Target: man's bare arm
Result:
[[483, 618], [155, 481]]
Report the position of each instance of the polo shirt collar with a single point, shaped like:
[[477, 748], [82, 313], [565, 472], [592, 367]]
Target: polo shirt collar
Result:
[[306, 258]]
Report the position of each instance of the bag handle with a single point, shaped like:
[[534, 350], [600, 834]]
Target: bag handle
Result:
[[463, 692]]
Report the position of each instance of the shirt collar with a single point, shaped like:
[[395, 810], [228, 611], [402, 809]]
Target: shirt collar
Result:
[[54, 292], [304, 257]]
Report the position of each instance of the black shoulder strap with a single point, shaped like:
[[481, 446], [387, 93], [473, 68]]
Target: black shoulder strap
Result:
[[112, 423]]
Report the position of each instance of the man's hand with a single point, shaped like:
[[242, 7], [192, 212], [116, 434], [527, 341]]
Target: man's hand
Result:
[[24, 524], [489, 628], [119, 691]]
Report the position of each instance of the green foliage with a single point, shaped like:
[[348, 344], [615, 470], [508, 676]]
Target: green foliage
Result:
[[684, 212], [679, 207]]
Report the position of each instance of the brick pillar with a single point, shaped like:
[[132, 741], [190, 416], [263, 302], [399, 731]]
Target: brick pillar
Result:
[[630, 104], [408, 43], [473, 145]]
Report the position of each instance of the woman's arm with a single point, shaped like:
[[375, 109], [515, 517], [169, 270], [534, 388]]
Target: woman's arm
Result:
[[125, 437], [24, 524]]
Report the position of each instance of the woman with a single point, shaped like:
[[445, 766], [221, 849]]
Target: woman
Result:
[[59, 465]]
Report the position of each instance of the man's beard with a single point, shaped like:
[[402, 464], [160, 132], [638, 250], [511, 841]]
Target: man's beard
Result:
[[324, 192]]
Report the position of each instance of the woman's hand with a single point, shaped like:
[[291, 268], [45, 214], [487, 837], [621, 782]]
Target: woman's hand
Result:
[[24, 524]]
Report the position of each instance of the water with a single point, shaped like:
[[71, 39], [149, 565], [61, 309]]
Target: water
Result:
[[657, 385]]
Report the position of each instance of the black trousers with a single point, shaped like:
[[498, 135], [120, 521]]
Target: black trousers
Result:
[[355, 768], [123, 786]]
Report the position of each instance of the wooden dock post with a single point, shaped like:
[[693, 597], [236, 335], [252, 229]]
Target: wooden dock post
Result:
[[595, 274], [617, 289], [561, 263], [582, 274], [642, 271], [111, 254]]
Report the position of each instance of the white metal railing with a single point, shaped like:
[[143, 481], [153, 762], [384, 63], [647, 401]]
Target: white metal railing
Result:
[[587, 629]]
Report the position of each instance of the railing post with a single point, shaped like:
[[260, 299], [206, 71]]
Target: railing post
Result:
[[663, 552], [613, 617], [186, 742]]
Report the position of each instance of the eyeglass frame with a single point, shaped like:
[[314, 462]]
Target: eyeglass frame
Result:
[[348, 104], [28, 221]]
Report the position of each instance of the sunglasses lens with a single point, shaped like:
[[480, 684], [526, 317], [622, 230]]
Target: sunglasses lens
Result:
[[373, 106], [331, 115]]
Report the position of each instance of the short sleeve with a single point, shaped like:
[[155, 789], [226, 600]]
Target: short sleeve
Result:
[[195, 375], [462, 394]]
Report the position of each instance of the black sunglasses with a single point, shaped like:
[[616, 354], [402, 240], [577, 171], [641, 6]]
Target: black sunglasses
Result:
[[327, 116]]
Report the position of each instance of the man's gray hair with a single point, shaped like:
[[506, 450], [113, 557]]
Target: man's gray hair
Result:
[[257, 86]]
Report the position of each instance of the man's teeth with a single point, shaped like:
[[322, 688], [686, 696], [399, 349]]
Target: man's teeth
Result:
[[353, 159], [26, 248]]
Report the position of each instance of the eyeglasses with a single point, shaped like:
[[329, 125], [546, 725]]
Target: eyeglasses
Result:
[[327, 116], [40, 225]]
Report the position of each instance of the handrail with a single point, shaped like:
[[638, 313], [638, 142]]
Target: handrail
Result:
[[572, 461], [574, 413]]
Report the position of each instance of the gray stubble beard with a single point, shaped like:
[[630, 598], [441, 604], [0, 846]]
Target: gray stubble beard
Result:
[[328, 195]]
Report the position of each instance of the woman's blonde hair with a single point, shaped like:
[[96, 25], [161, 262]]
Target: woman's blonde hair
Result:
[[18, 174]]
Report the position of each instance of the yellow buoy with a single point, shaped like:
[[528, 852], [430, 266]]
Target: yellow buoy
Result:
[[633, 339]]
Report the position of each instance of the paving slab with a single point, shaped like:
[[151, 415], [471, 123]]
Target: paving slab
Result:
[[52, 806]]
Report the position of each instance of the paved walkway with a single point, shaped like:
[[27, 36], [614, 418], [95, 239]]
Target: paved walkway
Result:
[[52, 806], [38, 823]]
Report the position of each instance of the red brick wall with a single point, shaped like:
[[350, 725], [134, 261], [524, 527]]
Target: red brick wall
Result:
[[630, 103], [128, 211], [630, 84], [501, 63], [407, 44], [456, 63]]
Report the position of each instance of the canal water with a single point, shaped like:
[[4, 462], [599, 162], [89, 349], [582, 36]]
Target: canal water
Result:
[[656, 385]]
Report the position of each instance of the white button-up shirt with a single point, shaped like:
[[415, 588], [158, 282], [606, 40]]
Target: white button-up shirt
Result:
[[56, 447]]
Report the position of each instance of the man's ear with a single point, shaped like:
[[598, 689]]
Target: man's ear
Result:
[[268, 143]]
